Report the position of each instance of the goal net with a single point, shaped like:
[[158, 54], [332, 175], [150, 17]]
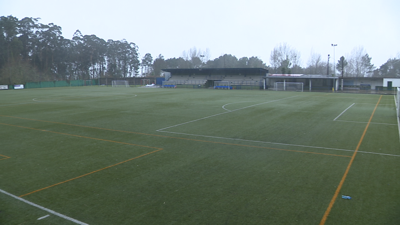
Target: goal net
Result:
[[288, 86], [120, 83]]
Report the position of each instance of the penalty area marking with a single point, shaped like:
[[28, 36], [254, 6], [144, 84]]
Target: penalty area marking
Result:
[[44, 209], [344, 111]]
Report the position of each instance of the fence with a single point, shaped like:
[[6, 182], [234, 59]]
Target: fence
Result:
[[132, 81], [397, 97], [61, 83]]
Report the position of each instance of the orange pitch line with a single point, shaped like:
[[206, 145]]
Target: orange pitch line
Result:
[[158, 149], [4, 157], [328, 210], [107, 167], [74, 135]]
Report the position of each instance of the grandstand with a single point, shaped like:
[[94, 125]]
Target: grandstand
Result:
[[235, 78]]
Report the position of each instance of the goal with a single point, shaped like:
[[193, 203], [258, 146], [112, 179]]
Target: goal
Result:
[[120, 83], [288, 86]]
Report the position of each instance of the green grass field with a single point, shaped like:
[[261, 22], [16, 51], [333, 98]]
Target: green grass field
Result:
[[103, 155]]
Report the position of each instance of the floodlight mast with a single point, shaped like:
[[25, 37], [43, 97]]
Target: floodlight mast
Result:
[[334, 59], [328, 64]]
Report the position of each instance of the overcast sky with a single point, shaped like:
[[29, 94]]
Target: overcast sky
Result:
[[238, 27]]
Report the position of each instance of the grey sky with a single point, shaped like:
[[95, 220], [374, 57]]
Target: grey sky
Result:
[[238, 27]]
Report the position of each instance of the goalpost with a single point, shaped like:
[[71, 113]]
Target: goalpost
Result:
[[288, 86], [119, 83]]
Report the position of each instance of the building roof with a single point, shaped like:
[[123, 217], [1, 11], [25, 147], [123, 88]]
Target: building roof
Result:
[[215, 71]]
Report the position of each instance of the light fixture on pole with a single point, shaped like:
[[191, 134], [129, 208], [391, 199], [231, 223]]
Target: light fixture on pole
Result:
[[334, 59]]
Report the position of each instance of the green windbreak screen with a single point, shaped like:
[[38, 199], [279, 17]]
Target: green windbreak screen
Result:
[[32, 85], [76, 82], [61, 83]]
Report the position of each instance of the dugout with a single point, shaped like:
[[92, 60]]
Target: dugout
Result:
[[227, 78]]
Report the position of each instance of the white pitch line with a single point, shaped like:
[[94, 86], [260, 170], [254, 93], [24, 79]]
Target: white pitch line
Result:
[[24, 103], [343, 112], [397, 113], [223, 113], [377, 153], [263, 142], [226, 105], [35, 100], [43, 217], [276, 143], [233, 103], [390, 124], [44, 209]]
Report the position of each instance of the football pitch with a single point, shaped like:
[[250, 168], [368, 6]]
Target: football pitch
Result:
[[102, 155]]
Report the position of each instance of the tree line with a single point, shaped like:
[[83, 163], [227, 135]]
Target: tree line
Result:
[[31, 51]]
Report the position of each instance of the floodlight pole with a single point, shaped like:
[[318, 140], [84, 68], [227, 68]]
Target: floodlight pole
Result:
[[334, 58], [202, 58], [328, 65]]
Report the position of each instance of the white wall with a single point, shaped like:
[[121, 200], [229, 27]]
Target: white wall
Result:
[[395, 82]]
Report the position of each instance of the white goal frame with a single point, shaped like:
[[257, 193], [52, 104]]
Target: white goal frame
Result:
[[289, 86], [119, 83]]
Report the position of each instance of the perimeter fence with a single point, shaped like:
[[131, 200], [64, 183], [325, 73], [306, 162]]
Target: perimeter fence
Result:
[[61, 83], [397, 97]]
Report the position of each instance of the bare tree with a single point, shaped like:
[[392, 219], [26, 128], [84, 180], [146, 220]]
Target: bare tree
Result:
[[283, 58], [315, 64], [197, 58]]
